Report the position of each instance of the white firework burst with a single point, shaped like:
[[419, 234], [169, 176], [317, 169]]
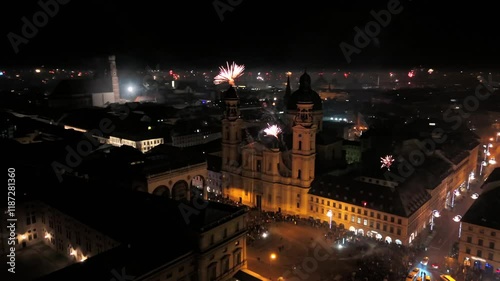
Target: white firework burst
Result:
[[229, 74], [273, 130], [386, 162]]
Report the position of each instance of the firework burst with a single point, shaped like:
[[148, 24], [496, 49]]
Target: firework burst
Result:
[[272, 130], [228, 74], [386, 162]]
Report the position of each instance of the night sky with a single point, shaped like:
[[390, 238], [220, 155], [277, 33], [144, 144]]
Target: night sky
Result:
[[255, 33]]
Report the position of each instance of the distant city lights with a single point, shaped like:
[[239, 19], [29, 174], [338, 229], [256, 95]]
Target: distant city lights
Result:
[[430, 71], [386, 162]]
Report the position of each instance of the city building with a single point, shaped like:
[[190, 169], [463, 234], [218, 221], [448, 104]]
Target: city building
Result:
[[479, 229], [206, 241]]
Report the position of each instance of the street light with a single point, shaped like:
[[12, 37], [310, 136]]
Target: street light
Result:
[[470, 178], [474, 196], [435, 213], [330, 215], [458, 218], [456, 193]]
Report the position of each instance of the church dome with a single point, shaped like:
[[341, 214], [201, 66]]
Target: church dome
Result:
[[305, 94], [230, 94]]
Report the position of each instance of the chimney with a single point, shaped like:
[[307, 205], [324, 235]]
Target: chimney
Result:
[[114, 78]]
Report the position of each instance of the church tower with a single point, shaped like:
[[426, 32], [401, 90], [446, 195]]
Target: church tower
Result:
[[231, 130], [304, 145], [304, 139]]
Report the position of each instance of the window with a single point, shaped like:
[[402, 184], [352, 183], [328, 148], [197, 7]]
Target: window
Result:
[[353, 209], [385, 217], [340, 206], [399, 221], [469, 239], [479, 253], [490, 256], [391, 229], [365, 213], [480, 242], [77, 238], [328, 203], [359, 220], [365, 222], [298, 205], [467, 251], [317, 200], [168, 275], [323, 201], [470, 228], [345, 217], [371, 214], [492, 245], [481, 231], [493, 233], [212, 271], [322, 210], [353, 218], [378, 216], [371, 223], [312, 199], [181, 268], [334, 205], [237, 257], [392, 219], [378, 225], [340, 216], [384, 228], [359, 211], [398, 231], [311, 207]]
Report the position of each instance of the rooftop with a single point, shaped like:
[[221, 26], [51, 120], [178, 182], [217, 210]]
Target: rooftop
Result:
[[484, 211], [400, 200]]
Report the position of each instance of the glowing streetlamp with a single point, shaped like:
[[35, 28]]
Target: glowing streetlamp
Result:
[[435, 213], [456, 193], [458, 218], [329, 214], [271, 258], [474, 196], [469, 179]]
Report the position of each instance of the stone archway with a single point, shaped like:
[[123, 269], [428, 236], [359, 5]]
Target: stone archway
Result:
[[162, 190], [180, 190]]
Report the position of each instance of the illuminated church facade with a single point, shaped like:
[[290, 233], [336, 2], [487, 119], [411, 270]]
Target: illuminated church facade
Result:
[[269, 173]]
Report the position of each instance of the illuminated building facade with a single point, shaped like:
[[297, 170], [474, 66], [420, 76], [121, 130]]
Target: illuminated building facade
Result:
[[266, 173]]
